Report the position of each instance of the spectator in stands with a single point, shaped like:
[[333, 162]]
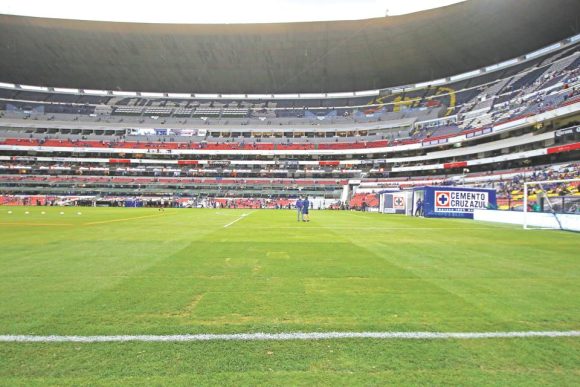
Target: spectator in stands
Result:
[[299, 205]]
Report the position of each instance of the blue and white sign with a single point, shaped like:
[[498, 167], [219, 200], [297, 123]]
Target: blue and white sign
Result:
[[460, 201], [454, 202], [395, 202]]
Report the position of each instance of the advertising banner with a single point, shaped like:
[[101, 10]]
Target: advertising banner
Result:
[[454, 202], [395, 202]]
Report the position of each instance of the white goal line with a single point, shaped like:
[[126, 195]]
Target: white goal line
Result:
[[286, 336]]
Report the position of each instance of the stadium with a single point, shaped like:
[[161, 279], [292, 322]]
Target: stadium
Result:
[[389, 200]]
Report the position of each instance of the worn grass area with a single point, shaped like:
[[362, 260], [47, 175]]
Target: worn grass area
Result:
[[140, 271]]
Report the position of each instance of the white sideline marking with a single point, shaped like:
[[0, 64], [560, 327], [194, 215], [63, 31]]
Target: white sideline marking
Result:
[[237, 220], [375, 228], [286, 336]]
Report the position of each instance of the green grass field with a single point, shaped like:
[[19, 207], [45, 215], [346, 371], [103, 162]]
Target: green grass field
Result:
[[140, 271]]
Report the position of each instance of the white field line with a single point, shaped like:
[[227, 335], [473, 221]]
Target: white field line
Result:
[[123, 219], [287, 336], [36, 224], [308, 227], [237, 220]]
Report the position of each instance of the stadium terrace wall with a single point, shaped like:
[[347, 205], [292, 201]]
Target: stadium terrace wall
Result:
[[315, 57], [381, 146]]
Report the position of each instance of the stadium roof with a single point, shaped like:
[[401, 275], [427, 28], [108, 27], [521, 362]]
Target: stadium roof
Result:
[[222, 12], [313, 57]]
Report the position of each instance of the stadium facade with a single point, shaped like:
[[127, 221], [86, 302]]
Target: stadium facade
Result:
[[257, 115]]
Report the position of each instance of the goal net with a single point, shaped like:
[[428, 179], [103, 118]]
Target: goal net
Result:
[[552, 204]]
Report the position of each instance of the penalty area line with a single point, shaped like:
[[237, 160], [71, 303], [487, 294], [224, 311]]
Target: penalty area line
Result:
[[123, 219], [288, 336], [237, 220]]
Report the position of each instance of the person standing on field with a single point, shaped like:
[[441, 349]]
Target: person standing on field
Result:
[[299, 205], [305, 208], [419, 208]]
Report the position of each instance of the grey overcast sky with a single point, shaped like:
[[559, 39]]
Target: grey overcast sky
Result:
[[221, 11]]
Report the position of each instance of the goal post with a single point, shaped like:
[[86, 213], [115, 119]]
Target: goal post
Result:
[[552, 204]]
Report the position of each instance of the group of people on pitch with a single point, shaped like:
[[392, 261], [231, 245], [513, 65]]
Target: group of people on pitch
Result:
[[302, 207]]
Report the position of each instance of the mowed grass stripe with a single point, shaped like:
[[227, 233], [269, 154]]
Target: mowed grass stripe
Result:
[[36, 224], [132, 275]]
